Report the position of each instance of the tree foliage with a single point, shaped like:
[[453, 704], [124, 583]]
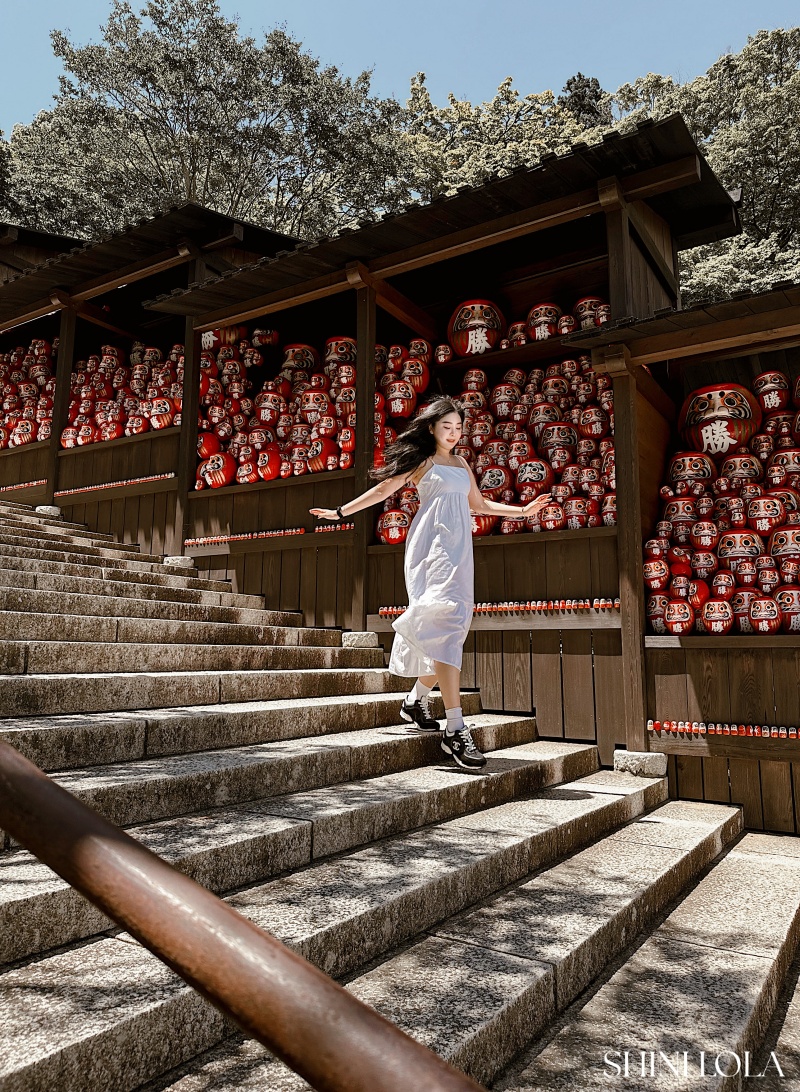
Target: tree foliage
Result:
[[174, 104]]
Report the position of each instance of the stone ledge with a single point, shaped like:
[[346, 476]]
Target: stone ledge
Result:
[[180, 562], [48, 510], [641, 763], [359, 639]]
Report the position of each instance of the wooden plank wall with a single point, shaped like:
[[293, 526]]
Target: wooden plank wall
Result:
[[23, 464], [316, 579], [147, 517], [572, 678], [648, 291], [742, 685]]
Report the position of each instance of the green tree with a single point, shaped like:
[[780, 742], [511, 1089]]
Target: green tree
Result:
[[585, 99], [174, 104]]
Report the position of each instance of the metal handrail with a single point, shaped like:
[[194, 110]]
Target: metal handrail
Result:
[[333, 1040]]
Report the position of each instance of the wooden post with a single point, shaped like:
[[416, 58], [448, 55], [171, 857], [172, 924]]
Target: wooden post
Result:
[[629, 545], [187, 448], [620, 286], [365, 412], [64, 363]]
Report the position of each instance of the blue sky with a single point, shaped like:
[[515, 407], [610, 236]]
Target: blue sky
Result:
[[466, 47]]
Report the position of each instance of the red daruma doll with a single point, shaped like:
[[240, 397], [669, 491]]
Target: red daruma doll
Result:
[[438, 566]]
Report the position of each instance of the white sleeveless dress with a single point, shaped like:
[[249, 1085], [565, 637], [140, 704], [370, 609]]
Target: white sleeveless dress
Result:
[[439, 574]]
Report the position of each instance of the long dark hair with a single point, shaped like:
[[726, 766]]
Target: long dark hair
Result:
[[416, 444]]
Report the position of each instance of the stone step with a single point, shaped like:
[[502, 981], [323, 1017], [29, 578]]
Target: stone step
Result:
[[74, 1015], [231, 847], [49, 627], [56, 526], [74, 657], [718, 959], [89, 556], [26, 695], [31, 533], [124, 589], [117, 551], [95, 739], [14, 506], [97, 570], [479, 987], [126, 606]]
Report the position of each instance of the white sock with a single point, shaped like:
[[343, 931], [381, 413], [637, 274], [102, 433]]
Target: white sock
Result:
[[418, 690], [455, 719]]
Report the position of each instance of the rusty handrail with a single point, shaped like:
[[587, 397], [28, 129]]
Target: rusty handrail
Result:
[[333, 1040]]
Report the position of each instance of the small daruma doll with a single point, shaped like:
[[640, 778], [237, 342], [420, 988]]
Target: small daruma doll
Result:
[[393, 526], [715, 420], [475, 327]]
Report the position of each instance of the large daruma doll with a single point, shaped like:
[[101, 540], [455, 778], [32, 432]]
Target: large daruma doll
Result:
[[714, 420], [475, 327]]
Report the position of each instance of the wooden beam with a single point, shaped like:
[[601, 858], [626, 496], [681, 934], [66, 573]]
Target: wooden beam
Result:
[[97, 317], [129, 274], [307, 291], [777, 329], [234, 236], [663, 179], [549, 214], [9, 236], [393, 301], [35, 311], [365, 404]]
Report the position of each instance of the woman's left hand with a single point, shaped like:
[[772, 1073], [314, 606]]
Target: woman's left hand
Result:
[[536, 505], [325, 513]]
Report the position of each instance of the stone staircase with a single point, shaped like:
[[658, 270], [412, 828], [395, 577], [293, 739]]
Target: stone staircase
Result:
[[521, 921]]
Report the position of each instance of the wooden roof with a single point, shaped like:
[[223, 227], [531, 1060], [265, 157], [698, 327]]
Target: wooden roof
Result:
[[700, 211], [95, 260], [41, 240], [709, 329]]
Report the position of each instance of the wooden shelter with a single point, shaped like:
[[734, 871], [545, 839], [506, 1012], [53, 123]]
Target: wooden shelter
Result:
[[608, 218]]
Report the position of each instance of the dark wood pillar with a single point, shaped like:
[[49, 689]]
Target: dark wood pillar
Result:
[[629, 544], [620, 285], [365, 412], [187, 448], [64, 363]]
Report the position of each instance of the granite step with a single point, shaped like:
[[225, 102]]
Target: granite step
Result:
[[95, 739], [49, 627], [50, 523], [88, 556], [479, 987], [31, 533], [231, 847], [127, 551], [719, 959], [127, 606], [76, 657], [27, 695], [96, 570], [124, 589], [73, 1015]]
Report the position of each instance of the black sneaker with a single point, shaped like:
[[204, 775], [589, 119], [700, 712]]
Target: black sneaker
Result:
[[461, 748], [419, 716]]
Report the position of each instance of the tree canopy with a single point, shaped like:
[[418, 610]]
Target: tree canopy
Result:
[[174, 103]]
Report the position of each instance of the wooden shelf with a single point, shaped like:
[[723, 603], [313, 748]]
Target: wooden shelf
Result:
[[725, 746], [114, 492], [539, 538], [276, 483], [589, 620], [751, 640], [508, 358], [241, 546], [37, 445], [121, 441]]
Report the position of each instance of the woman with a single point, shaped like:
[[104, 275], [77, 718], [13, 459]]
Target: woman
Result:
[[438, 565]]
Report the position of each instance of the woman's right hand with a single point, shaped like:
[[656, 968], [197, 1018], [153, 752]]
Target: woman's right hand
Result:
[[325, 513]]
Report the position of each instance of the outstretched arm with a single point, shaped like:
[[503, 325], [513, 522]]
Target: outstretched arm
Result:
[[481, 505], [376, 495]]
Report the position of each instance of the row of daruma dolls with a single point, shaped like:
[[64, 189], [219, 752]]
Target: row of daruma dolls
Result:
[[550, 431], [27, 390], [303, 420], [726, 554]]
